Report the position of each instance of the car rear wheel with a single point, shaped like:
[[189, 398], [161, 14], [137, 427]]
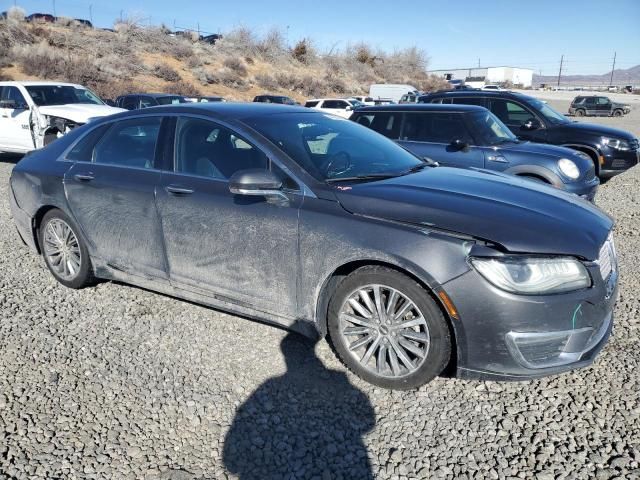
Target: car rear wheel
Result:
[[64, 253], [387, 329], [580, 113]]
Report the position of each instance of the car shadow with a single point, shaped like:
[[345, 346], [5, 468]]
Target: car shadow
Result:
[[307, 423], [10, 158]]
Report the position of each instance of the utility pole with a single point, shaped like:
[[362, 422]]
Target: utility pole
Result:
[[91, 13], [54, 8], [613, 68], [478, 63], [560, 71]]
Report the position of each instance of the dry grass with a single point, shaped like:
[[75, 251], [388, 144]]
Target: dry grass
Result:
[[240, 66]]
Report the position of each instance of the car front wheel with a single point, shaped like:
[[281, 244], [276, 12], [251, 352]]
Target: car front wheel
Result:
[[387, 329], [580, 113], [64, 253]]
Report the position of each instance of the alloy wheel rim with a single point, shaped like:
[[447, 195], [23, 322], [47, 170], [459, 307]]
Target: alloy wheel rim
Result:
[[61, 249], [384, 331]]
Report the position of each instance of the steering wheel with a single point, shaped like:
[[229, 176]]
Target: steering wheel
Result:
[[337, 164]]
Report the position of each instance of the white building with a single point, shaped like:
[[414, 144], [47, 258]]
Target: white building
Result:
[[477, 77]]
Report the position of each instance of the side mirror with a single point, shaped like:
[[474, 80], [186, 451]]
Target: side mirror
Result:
[[256, 182], [349, 108], [110, 102], [531, 124], [459, 144]]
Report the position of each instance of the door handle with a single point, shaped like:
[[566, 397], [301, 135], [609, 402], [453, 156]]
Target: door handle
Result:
[[175, 190], [497, 158], [84, 177]]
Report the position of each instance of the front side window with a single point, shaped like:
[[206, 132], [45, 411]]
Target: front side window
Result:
[[130, 143], [330, 148], [146, 102], [130, 103], [510, 112], [385, 123], [436, 127], [479, 101], [489, 130], [13, 94], [171, 100], [551, 115], [62, 95], [207, 149], [603, 101], [591, 101], [311, 103]]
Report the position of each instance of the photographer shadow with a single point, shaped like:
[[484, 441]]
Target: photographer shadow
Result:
[[307, 423]]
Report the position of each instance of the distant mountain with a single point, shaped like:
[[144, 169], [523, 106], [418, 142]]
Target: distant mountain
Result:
[[630, 76]]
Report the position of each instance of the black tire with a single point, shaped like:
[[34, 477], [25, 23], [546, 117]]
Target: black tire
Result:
[[580, 113], [438, 353], [83, 276], [617, 113]]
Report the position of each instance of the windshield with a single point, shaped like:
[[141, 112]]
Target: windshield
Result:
[[547, 112], [355, 103], [489, 129], [62, 95], [330, 147], [171, 100]]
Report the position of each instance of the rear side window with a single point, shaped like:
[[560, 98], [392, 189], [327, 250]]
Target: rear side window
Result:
[[591, 101], [207, 149], [83, 150], [386, 123], [130, 103], [12, 93], [435, 127], [130, 143], [479, 101], [335, 104]]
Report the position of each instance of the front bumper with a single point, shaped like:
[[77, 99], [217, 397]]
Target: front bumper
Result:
[[502, 336], [586, 190], [618, 161]]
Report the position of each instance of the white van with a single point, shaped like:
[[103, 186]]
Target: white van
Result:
[[390, 91], [33, 114]]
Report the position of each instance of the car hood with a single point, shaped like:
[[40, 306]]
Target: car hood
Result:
[[598, 130], [541, 149], [520, 215], [79, 112], [620, 105]]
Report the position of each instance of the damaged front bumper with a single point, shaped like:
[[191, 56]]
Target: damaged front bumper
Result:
[[503, 336]]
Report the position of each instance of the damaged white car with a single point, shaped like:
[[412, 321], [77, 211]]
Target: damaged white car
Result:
[[33, 114]]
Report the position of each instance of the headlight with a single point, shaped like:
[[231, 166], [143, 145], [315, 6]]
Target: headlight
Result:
[[615, 143], [568, 168], [534, 275]]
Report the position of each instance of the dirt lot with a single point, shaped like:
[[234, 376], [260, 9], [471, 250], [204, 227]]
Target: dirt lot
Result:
[[561, 101], [115, 382]]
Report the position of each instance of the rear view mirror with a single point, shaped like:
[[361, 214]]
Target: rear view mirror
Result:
[[531, 124], [256, 182]]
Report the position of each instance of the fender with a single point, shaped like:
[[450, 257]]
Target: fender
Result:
[[593, 152], [538, 171]]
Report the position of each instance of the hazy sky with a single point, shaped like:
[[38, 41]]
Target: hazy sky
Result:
[[529, 34]]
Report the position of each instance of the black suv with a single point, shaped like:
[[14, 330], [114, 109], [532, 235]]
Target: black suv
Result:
[[282, 99], [135, 101], [598, 106], [612, 150]]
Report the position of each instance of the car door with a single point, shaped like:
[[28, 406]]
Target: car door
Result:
[[514, 115], [111, 192], [239, 248], [603, 106], [15, 120], [441, 136], [590, 106]]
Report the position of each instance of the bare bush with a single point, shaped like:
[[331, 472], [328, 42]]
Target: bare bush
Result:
[[166, 73], [5, 77], [363, 54], [266, 81], [304, 52], [194, 61], [433, 83], [16, 14], [312, 87], [273, 45], [287, 80], [334, 83], [235, 64], [184, 88]]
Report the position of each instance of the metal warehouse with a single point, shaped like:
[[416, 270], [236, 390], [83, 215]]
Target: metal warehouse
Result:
[[485, 75]]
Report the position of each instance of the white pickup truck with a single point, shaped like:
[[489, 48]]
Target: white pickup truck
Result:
[[33, 114]]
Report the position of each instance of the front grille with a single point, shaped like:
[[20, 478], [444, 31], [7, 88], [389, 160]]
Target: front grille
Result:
[[607, 258]]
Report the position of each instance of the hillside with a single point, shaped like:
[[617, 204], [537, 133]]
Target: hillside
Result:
[[238, 67], [629, 76]]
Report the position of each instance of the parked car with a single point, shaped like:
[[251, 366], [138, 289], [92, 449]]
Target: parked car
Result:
[[612, 150], [40, 17], [410, 97], [84, 22], [364, 99], [493, 88], [466, 136], [3, 15], [33, 114], [135, 101], [281, 99], [390, 91], [597, 105], [304, 220], [205, 99], [343, 107]]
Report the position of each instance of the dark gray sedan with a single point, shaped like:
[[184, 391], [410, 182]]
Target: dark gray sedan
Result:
[[305, 219]]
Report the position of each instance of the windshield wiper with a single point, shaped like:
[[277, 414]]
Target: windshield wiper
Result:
[[420, 166], [371, 176]]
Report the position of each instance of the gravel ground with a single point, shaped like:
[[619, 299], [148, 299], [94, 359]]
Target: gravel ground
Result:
[[118, 382]]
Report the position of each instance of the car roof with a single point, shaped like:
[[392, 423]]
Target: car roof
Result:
[[226, 110], [154, 95], [422, 107], [483, 93], [34, 83]]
